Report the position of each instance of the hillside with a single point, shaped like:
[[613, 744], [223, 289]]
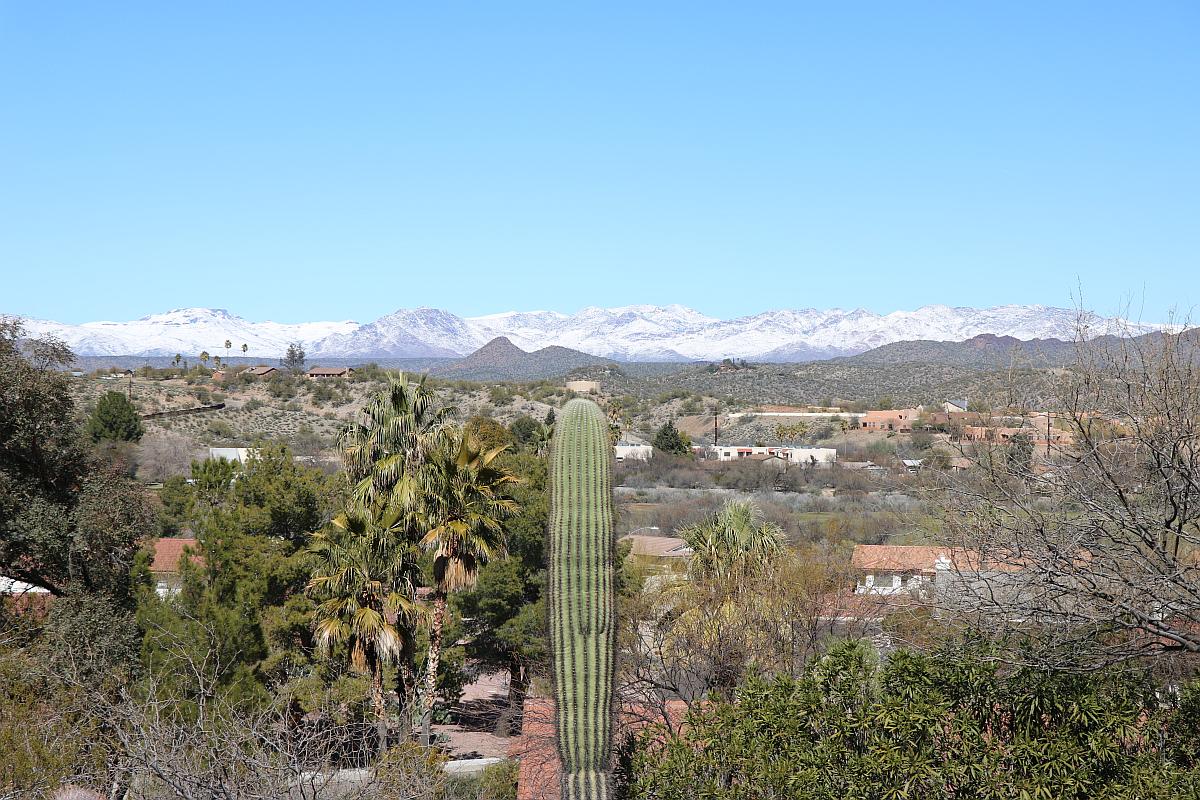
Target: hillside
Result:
[[825, 383], [986, 351], [501, 360]]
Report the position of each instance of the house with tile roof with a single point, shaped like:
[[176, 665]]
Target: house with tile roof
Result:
[[169, 553]]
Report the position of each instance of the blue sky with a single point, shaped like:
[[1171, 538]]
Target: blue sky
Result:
[[298, 160]]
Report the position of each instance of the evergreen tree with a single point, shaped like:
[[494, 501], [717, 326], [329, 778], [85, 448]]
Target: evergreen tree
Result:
[[115, 420], [670, 439], [293, 360], [504, 615]]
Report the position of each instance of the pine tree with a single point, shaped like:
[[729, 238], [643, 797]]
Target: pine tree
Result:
[[294, 359], [670, 440], [115, 419]]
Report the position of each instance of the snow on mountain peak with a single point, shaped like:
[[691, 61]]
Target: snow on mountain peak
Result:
[[633, 332]]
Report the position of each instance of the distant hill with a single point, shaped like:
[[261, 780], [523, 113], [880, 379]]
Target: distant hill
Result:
[[989, 352], [501, 360], [985, 351]]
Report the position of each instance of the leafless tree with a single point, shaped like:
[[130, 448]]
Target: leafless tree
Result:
[[1085, 537], [685, 641], [162, 454], [187, 739]]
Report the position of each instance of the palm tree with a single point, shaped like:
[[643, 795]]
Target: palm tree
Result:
[[380, 455], [245, 347], [363, 579], [204, 357], [178, 358], [463, 505], [734, 544], [228, 344]]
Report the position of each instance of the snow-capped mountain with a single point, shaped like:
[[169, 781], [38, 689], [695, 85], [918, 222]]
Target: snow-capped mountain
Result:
[[188, 331], [628, 333]]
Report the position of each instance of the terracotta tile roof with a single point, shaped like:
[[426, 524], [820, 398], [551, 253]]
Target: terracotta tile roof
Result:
[[657, 546], [537, 747], [168, 551], [923, 558], [898, 558]]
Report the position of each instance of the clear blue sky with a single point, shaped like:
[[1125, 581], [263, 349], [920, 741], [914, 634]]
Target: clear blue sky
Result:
[[302, 160]]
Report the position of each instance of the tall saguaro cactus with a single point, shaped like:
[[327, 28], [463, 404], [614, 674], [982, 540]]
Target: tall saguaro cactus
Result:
[[582, 624]]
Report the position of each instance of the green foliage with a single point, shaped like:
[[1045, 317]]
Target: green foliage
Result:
[[36, 759], [213, 480], [582, 597], [524, 429], [504, 614], [293, 360], [487, 434], [241, 612], [734, 544], [670, 439], [115, 420], [949, 725]]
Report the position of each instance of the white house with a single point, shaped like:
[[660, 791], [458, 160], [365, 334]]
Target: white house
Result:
[[238, 454], [811, 456], [896, 569], [630, 451]]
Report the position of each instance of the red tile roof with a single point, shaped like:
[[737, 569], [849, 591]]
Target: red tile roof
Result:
[[168, 551], [923, 558], [898, 558]]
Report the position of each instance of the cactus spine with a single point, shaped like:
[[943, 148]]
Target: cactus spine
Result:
[[582, 625]]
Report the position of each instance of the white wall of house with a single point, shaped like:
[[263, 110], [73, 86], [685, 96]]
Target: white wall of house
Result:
[[634, 452], [824, 456]]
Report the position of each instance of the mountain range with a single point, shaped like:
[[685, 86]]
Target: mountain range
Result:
[[628, 333]]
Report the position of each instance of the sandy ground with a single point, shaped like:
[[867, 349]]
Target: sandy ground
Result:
[[473, 736]]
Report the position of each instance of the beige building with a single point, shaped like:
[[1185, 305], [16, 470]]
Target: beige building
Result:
[[584, 387]]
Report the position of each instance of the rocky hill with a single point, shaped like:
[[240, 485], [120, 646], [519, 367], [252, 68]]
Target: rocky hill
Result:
[[501, 360]]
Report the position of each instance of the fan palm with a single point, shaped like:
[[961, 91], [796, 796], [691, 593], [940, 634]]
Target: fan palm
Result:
[[734, 544], [463, 506], [363, 581], [380, 455]]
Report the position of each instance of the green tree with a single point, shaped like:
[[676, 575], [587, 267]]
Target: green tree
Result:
[[382, 457], [524, 429], [363, 581], [293, 359], [245, 347], [790, 434], [204, 357], [951, 724], [733, 544], [504, 615], [1018, 453], [463, 505], [115, 419], [402, 424], [213, 480], [670, 439], [487, 434]]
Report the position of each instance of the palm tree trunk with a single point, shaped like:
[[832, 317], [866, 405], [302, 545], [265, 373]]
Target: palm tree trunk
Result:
[[406, 686], [435, 654], [377, 704]]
